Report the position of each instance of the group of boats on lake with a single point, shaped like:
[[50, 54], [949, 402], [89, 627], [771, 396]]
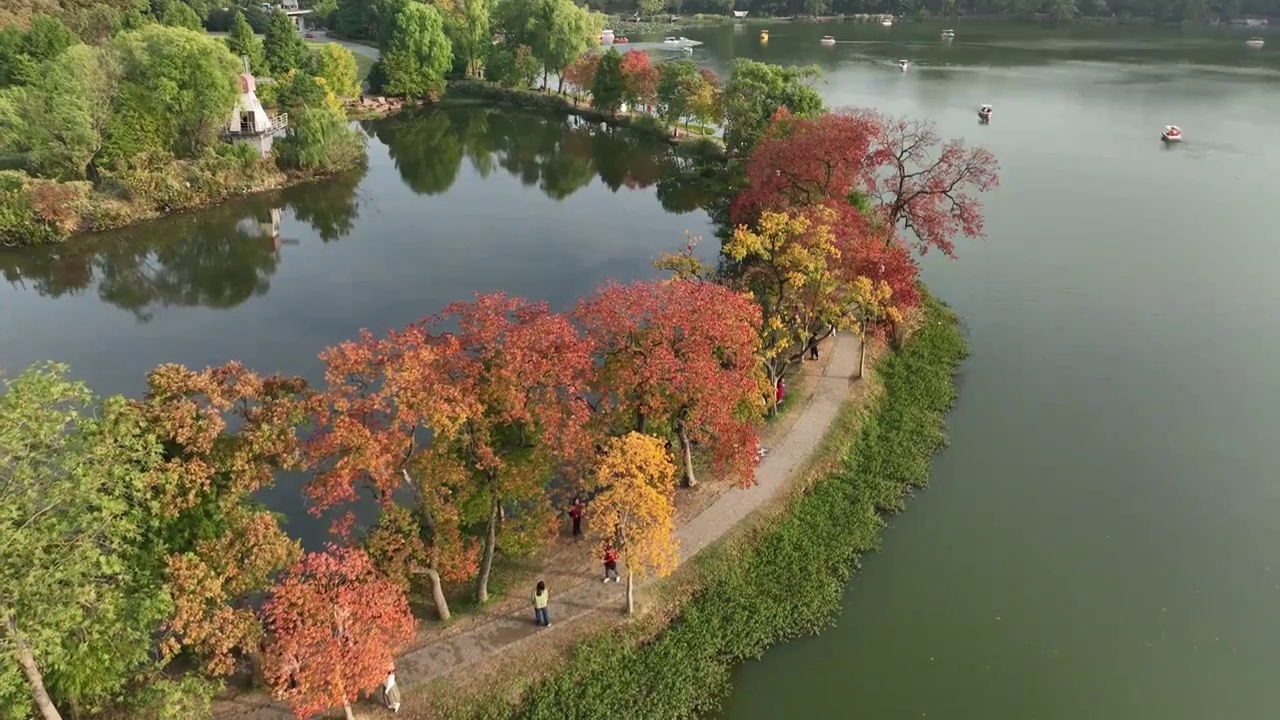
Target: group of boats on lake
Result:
[[608, 37], [902, 64]]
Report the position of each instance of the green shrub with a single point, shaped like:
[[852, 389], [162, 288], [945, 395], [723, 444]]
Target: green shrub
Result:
[[320, 141], [787, 584]]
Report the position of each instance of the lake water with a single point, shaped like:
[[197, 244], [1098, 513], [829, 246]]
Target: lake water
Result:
[[1098, 541]]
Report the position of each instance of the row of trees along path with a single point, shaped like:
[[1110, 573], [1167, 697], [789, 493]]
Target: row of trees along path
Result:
[[577, 592]]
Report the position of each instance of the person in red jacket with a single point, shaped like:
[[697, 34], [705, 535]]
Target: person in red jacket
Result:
[[610, 565]]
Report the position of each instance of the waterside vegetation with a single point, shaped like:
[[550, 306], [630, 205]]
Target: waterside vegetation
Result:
[[96, 136]]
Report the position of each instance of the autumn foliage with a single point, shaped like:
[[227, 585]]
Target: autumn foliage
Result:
[[635, 507], [683, 354], [911, 178], [335, 628], [222, 551], [639, 78], [581, 73], [525, 372]]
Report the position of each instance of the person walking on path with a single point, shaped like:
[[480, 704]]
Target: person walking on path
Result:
[[575, 512], [813, 347], [610, 565], [541, 617], [391, 692]]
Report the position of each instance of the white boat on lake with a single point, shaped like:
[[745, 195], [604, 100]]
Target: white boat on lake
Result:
[[984, 112], [1172, 133], [828, 40], [680, 42], [1254, 42], [948, 34], [903, 65], [887, 20]]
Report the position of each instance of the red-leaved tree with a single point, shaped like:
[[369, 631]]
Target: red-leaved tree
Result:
[[899, 170], [335, 626], [681, 355], [639, 79], [526, 372], [581, 73], [383, 397]]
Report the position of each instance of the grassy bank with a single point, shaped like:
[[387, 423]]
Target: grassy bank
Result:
[[36, 211], [783, 582]]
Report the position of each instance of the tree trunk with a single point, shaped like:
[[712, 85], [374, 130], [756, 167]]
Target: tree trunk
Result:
[[631, 593], [544, 78], [350, 715], [560, 84], [687, 450], [641, 420], [437, 594], [862, 355], [486, 562], [35, 679], [773, 391]]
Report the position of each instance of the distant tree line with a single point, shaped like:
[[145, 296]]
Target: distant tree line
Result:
[[1161, 10]]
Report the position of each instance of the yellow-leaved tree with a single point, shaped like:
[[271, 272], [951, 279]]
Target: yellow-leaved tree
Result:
[[789, 262], [636, 481], [872, 305]]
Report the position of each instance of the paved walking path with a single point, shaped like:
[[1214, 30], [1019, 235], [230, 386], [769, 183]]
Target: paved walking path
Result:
[[579, 598]]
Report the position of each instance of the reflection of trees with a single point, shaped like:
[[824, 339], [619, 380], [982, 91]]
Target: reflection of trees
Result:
[[331, 206], [212, 258], [217, 257], [558, 155], [425, 148]]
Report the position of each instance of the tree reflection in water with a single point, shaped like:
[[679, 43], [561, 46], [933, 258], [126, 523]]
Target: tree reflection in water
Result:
[[216, 258], [556, 154], [221, 256]]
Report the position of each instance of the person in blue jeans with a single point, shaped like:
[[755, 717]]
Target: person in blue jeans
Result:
[[540, 615]]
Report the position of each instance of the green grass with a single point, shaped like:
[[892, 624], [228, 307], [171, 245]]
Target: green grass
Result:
[[786, 583]]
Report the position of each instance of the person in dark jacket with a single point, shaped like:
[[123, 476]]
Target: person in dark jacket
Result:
[[575, 512]]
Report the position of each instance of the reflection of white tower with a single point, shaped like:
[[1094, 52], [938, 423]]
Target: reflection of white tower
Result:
[[271, 226]]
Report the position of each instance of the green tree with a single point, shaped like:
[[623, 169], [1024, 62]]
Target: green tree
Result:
[[609, 87], [650, 7], [47, 38], [177, 90], [297, 92], [417, 53], [319, 140], [337, 66], [77, 620], [322, 11], [468, 29], [243, 43], [756, 91], [94, 24], [181, 15], [283, 46], [675, 83], [558, 31], [67, 112]]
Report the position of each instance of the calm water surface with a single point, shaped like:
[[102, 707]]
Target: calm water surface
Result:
[[1098, 542]]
